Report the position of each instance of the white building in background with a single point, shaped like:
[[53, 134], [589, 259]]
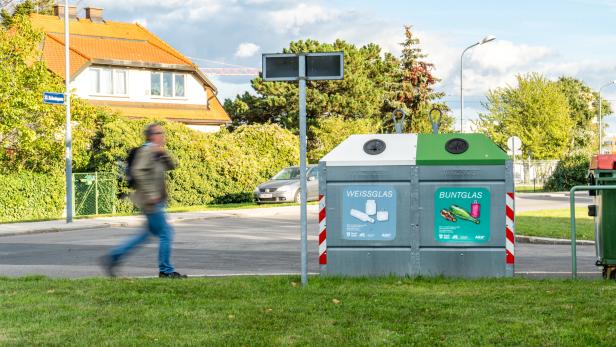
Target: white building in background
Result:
[[125, 67]]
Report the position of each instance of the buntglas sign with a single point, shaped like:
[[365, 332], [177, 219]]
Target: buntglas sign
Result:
[[53, 98]]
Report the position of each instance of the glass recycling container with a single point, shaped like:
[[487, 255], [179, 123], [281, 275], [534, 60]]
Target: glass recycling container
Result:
[[416, 204]]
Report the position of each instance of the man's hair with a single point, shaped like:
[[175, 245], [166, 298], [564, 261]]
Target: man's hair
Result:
[[149, 130]]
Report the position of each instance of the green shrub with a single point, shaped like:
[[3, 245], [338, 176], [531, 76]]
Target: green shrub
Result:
[[31, 196], [222, 167], [569, 172]]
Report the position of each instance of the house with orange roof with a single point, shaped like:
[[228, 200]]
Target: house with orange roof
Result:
[[127, 68]]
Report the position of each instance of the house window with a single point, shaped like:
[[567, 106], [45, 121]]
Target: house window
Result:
[[95, 78], [155, 84], [167, 84], [119, 82], [179, 85], [108, 81]]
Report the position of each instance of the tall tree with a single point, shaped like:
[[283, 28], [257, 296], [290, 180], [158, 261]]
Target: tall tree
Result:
[[360, 95], [374, 85], [583, 110], [414, 92], [536, 111]]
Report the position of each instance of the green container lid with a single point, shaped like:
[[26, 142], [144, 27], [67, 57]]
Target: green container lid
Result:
[[458, 149]]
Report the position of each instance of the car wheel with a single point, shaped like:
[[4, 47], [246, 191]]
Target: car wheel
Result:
[[298, 197]]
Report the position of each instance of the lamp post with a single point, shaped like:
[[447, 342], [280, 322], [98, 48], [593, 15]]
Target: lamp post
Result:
[[486, 39], [600, 116]]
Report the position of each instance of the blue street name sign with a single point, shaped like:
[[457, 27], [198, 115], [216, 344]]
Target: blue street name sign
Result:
[[53, 98]]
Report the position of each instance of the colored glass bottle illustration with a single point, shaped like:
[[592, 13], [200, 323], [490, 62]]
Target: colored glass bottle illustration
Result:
[[475, 209]]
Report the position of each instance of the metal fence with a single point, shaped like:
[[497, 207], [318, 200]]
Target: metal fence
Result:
[[533, 171], [94, 193]]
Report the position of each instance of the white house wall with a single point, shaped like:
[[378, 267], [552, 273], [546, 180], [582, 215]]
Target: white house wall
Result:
[[138, 88]]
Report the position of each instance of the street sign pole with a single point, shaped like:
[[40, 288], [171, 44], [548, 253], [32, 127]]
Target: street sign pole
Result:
[[301, 67], [302, 169], [68, 141]]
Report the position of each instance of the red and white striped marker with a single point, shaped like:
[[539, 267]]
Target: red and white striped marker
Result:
[[510, 229], [322, 232]]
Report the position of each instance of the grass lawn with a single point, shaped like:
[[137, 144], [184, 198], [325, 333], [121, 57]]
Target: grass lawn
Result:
[[529, 189], [555, 223], [275, 311]]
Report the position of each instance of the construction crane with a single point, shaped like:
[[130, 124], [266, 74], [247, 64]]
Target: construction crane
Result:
[[230, 71]]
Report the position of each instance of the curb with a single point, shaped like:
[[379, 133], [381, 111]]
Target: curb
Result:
[[550, 241], [56, 230]]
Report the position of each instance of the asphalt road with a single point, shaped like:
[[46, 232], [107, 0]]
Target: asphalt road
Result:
[[223, 246]]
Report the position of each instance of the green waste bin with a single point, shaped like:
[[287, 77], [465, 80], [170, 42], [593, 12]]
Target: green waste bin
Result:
[[602, 173]]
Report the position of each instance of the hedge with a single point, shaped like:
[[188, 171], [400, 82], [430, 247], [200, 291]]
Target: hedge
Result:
[[571, 171], [221, 167], [31, 196]]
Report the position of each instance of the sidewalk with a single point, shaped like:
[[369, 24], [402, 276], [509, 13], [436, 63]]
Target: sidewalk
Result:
[[135, 221]]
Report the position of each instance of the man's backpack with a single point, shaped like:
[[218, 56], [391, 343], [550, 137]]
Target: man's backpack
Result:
[[130, 180]]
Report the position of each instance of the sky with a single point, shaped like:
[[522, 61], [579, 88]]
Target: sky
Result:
[[566, 37]]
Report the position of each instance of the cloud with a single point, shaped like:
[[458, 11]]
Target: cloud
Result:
[[503, 56], [246, 49], [293, 19], [141, 21], [234, 31]]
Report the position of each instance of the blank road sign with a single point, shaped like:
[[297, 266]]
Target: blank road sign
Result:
[[319, 66], [280, 67], [325, 66]]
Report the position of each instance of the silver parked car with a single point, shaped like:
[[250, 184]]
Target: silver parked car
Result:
[[284, 186]]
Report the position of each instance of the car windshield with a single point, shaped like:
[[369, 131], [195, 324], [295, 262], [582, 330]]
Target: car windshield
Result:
[[290, 173]]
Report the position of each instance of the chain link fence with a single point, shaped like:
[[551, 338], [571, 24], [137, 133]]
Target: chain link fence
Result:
[[530, 172], [94, 193]]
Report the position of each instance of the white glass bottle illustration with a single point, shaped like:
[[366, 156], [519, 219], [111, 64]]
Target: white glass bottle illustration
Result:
[[361, 216], [371, 207]]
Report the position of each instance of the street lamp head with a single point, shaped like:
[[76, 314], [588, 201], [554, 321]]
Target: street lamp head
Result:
[[487, 39]]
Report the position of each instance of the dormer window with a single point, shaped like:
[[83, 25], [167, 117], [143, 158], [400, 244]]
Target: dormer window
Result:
[[108, 81], [167, 84]]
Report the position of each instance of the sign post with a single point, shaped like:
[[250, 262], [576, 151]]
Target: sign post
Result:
[[68, 140], [301, 67]]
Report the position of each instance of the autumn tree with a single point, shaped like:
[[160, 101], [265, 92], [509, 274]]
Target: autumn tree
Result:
[[414, 91]]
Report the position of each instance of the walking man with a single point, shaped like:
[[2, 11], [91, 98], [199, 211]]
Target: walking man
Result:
[[148, 172]]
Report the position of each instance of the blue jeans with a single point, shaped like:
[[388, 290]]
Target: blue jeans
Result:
[[157, 226]]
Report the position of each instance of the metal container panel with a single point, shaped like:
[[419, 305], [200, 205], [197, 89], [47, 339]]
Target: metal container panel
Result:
[[366, 261], [368, 173], [462, 173], [496, 212], [462, 262]]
